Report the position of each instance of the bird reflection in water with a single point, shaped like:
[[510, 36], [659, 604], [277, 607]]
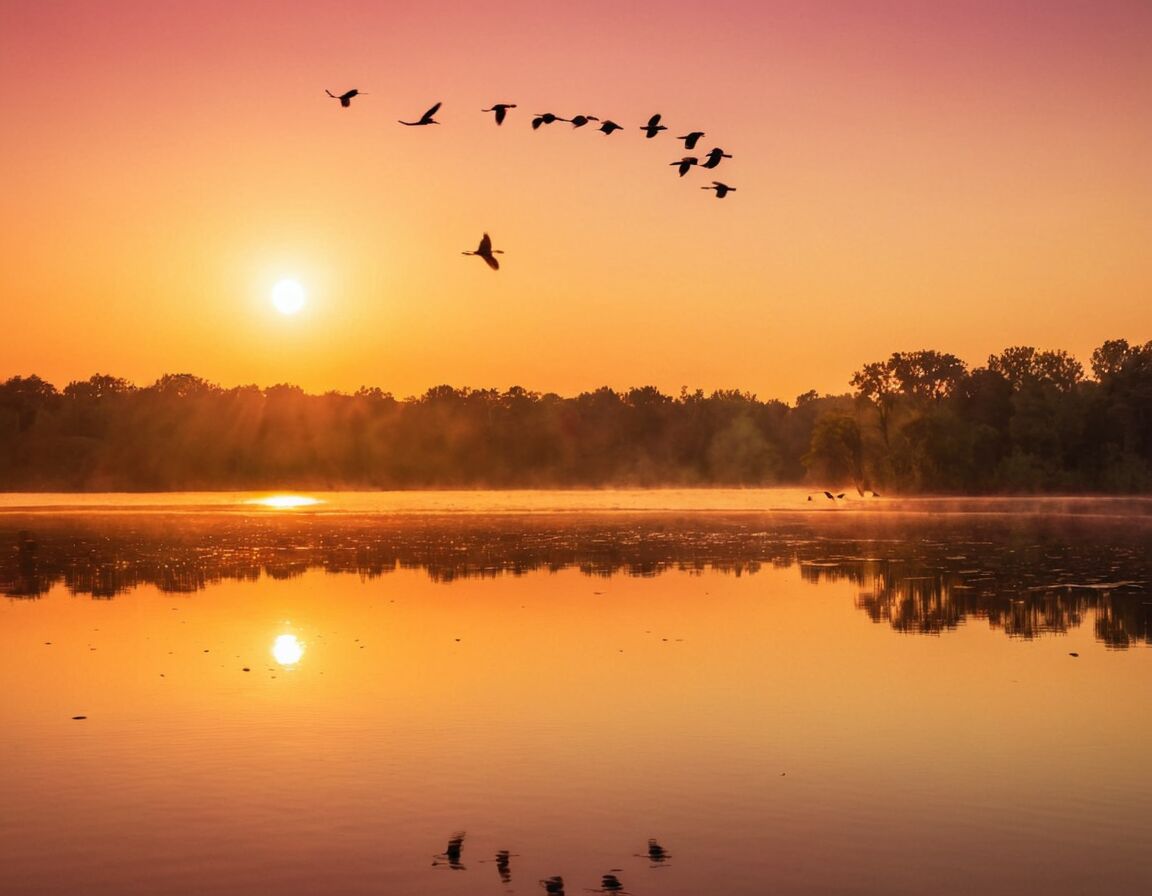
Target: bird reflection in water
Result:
[[657, 854], [502, 866], [451, 855], [610, 884]]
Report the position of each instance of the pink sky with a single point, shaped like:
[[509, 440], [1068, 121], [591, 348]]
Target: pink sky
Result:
[[962, 176]]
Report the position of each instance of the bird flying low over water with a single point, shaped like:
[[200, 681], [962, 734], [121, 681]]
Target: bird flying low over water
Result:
[[545, 118], [501, 110], [714, 157], [580, 120], [690, 139], [685, 163], [485, 251], [609, 126], [722, 190], [426, 118], [345, 98], [653, 127]]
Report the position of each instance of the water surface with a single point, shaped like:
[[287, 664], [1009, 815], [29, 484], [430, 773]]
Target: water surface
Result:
[[944, 698]]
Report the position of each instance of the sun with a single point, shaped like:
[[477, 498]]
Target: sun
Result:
[[288, 296]]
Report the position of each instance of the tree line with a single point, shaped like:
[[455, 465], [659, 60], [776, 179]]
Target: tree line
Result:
[[1028, 420]]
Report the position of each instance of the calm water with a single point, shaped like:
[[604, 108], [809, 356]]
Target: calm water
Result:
[[379, 693]]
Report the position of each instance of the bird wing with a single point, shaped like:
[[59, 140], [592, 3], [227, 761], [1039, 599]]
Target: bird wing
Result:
[[492, 262], [485, 246], [654, 120], [428, 115], [500, 113]]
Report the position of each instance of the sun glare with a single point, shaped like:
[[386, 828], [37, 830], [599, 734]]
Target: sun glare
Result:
[[284, 502], [288, 296], [287, 650]]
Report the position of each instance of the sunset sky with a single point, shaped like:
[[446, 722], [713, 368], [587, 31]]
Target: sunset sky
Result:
[[960, 175]]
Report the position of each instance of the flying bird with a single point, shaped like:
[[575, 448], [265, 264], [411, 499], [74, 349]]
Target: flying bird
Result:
[[653, 127], [685, 163], [545, 118], [345, 98], [714, 157], [485, 251], [722, 190], [609, 126], [501, 109], [426, 118], [580, 120], [690, 139]]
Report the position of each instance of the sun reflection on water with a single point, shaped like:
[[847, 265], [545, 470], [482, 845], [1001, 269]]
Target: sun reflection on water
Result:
[[287, 650], [284, 502]]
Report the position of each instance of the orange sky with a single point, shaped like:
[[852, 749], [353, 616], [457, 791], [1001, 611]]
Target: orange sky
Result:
[[958, 175]]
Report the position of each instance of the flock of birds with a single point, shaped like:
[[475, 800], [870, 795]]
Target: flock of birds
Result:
[[709, 160], [554, 886]]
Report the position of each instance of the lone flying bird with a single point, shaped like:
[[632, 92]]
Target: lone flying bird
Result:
[[685, 163], [653, 127], [345, 98], [545, 118], [690, 139], [426, 118], [722, 190], [485, 251], [609, 126], [501, 109], [714, 157], [580, 120]]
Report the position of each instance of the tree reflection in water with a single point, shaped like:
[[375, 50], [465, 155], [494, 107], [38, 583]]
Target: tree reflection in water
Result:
[[1026, 575]]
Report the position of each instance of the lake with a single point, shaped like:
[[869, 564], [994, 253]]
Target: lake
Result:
[[643, 692]]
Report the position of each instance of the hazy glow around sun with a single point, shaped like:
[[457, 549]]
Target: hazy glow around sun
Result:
[[288, 296]]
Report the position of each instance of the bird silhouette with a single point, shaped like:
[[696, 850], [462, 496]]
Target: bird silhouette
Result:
[[345, 98], [653, 127], [714, 157], [580, 120], [485, 251], [722, 190], [426, 118], [501, 110], [690, 139], [553, 886], [609, 126], [545, 118], [684, 164]]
